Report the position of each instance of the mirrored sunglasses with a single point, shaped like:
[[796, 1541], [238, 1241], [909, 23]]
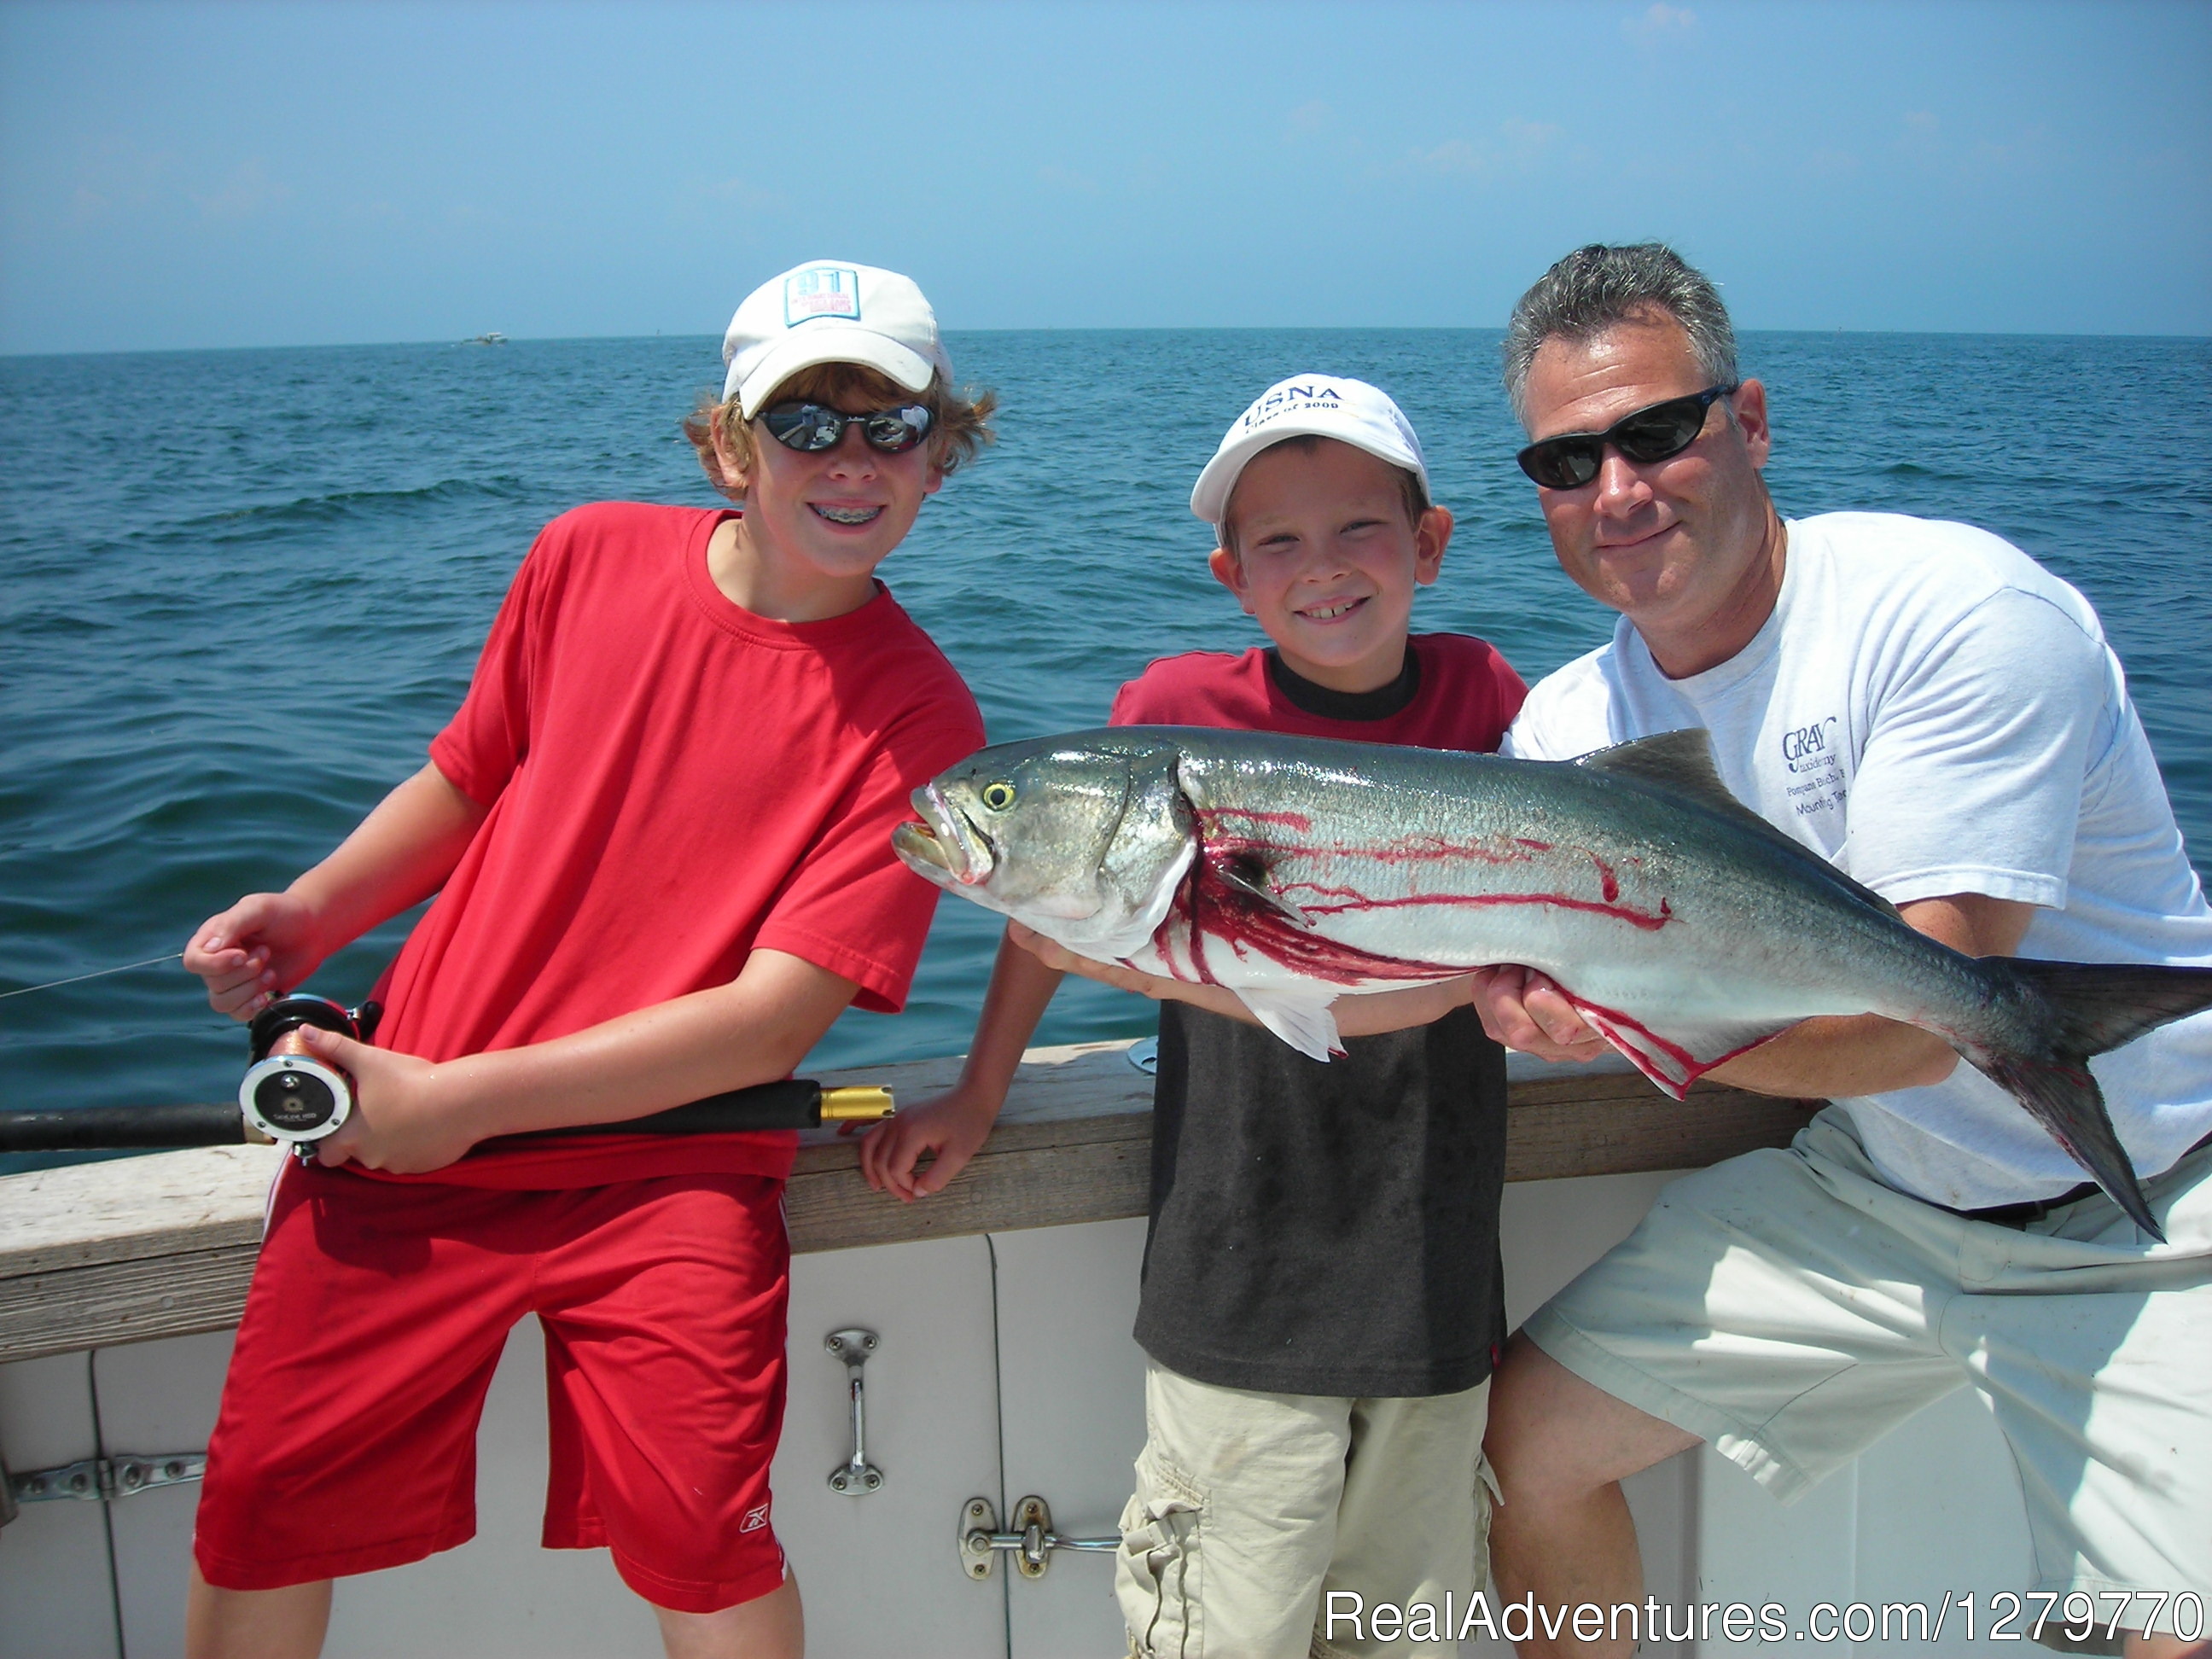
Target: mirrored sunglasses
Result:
[[1653, 434], [811, 427]]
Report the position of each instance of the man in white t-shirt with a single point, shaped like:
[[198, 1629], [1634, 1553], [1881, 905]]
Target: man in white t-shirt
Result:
[[1931, 710]]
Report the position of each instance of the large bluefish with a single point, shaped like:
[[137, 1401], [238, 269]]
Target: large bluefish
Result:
[[1683, 926]]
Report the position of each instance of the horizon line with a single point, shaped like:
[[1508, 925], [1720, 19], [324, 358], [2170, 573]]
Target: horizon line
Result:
[[1082, 328]]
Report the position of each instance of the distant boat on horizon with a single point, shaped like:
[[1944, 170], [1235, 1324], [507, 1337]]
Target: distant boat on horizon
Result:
[[492, 338]]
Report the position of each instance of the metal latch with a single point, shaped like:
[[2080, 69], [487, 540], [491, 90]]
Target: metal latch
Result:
[[1032, 1542], [858, 1477], [95, 1478]]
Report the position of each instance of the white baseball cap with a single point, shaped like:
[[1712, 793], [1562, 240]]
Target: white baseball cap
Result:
[[1325, 405], [830, 312]]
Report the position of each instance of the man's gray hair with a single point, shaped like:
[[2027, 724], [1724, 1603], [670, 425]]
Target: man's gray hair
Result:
[[1598, 287]]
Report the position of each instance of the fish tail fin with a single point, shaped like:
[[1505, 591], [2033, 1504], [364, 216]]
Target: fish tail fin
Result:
[[2099, 1006], [2062, 1095], [2092, 1008]]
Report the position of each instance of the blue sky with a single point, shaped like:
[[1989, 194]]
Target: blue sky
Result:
[[182, 175]]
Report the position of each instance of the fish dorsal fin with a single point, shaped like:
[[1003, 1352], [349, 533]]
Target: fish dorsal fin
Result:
[[1681, 762]]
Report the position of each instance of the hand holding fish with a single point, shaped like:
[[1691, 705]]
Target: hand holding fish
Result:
[[1356, 1014], [1216, 999], [1524, 1011]]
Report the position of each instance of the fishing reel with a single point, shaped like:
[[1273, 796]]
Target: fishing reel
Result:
[[287, 1095]]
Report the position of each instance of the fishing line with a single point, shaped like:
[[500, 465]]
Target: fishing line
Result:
[[100, 973]]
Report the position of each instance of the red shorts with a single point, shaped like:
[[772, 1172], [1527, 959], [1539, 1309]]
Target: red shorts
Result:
[[347, 1441]]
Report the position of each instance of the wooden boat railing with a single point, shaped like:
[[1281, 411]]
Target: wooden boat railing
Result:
[[131, 1250]]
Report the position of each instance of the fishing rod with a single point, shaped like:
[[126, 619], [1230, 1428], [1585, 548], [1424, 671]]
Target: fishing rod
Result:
[[290, 1097]]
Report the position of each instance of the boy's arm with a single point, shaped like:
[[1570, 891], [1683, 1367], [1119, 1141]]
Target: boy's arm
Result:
[[1364, 1014], [400, 854], [954, 1124], [414, 1116]]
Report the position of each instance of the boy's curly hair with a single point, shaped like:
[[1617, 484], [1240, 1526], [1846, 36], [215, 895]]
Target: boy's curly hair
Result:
[[960, 422]]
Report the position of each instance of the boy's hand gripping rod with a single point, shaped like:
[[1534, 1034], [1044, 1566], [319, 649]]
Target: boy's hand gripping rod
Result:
[[288, 1096]]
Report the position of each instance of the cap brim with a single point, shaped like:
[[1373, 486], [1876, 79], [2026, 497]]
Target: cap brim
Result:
[[826, 342], [1209, 496]]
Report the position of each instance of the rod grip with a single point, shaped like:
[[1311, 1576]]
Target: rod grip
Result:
[[797, 1102], [105, 1128]]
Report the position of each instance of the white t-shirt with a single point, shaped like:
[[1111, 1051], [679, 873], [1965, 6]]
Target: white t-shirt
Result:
[[1934, 713]]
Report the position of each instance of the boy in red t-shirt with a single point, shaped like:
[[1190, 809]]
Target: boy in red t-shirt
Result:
[[659, 831], [1322, 1296]]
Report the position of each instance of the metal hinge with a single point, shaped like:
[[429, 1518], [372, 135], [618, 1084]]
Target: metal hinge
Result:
[[1031, 1544], [96, 1478]]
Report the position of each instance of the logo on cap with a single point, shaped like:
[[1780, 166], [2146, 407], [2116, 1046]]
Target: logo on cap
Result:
[[821, 291], [1284, 399]]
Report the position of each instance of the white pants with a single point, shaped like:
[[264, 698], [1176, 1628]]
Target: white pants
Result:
[[1251, 1507]]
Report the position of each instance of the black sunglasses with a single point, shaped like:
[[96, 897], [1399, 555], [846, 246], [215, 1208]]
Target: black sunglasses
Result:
[[1571, 459], [811, 427]]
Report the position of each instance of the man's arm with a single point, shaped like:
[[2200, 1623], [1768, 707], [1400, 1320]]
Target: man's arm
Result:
[[416, 1115], [1816, 1059], [400, 854], [951, 1125]]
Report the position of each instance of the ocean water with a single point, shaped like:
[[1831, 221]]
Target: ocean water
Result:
[[240, 590]]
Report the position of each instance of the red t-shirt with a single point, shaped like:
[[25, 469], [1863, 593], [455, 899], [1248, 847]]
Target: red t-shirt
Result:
[[1467, 695], [673, 783]]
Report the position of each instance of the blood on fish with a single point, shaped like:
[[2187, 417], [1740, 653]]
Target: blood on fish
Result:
[[1645, 920], [1609, 1023], [1212, 910], [1607, 881]]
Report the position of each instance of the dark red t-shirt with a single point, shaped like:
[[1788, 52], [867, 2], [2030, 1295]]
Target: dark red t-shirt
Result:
[[1459, 693], [673, 782]]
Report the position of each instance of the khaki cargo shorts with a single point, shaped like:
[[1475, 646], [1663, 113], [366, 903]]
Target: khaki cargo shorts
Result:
[[1790, 1309], [1251, 1507]]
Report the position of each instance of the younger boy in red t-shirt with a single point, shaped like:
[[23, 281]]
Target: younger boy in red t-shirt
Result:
[[1321, 1295], [659, 830]]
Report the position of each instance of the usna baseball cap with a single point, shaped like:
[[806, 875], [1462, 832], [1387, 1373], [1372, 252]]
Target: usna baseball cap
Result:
[[1323, 405], [830, 312]]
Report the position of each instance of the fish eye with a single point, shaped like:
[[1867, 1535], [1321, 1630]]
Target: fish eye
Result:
[[997, 796]]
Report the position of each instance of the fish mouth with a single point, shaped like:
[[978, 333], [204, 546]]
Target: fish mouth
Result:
[[944, 848]]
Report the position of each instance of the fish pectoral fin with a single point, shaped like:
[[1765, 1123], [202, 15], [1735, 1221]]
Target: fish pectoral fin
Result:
[[1681, 1055], [1299, 1015], [1232, 875]]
